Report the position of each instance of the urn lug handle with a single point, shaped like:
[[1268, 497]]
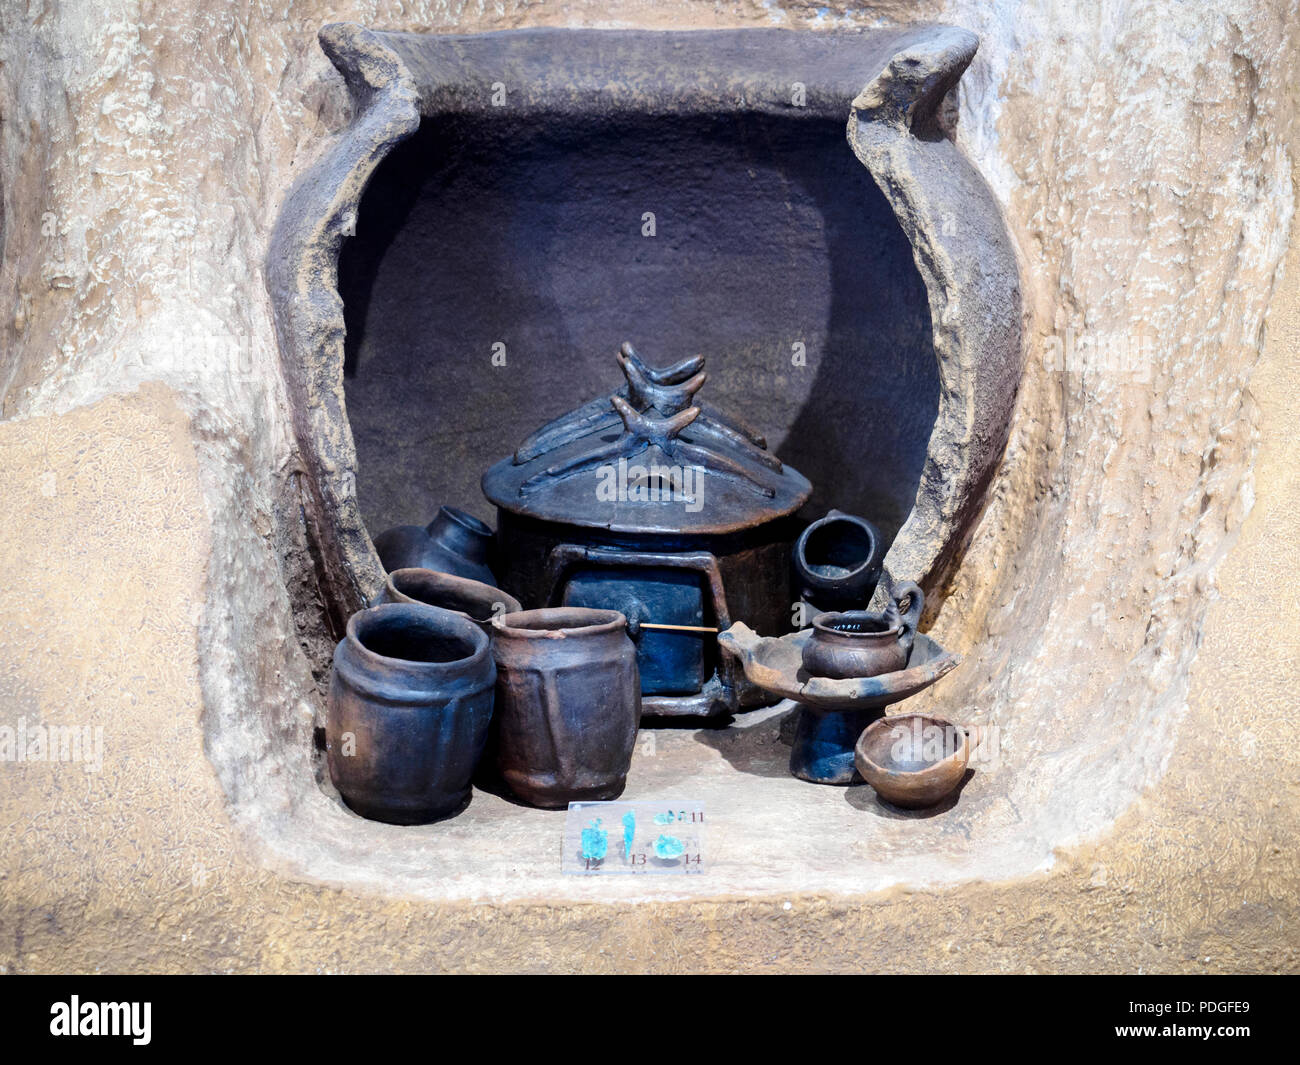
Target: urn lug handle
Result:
[[911, 592]]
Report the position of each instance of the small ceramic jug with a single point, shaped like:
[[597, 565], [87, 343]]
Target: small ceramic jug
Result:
[[454, 542], [837, 562], [859, 643]]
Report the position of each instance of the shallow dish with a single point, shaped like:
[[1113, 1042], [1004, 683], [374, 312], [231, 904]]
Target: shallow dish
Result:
[[776, 664]]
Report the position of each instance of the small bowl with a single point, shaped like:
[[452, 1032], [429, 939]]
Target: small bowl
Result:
[[913, 760]]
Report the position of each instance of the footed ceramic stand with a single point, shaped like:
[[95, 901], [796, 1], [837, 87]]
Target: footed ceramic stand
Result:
[[832, 713], [824, 741]]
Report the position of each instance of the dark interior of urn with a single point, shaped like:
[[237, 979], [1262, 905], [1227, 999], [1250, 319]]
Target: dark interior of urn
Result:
[[486, 229], [835, 551], [402, 635]]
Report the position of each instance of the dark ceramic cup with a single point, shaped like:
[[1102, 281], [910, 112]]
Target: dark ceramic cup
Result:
[[409, 707], [568, 704], [471, 599], [837, 562]]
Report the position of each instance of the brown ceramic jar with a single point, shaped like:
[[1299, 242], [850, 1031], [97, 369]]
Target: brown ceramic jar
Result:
[[859, 643], [568, 704]]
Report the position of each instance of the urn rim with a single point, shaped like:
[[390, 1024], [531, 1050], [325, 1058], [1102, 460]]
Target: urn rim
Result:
[[557, 623], [435, 621]]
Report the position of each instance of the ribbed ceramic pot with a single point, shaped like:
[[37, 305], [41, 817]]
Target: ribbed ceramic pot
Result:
[[568, 704], [409, 707], [855, 643]]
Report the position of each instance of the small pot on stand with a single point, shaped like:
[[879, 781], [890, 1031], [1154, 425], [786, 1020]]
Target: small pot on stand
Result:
[[823, 746], [843, 646]]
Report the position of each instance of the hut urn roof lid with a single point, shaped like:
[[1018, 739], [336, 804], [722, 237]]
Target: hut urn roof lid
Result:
[[648, 459]]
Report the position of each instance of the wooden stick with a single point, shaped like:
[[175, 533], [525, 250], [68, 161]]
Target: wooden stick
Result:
[[678, 628]]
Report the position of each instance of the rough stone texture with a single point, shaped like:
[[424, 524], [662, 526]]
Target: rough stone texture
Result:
[[970, 276], [1111, 605]]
